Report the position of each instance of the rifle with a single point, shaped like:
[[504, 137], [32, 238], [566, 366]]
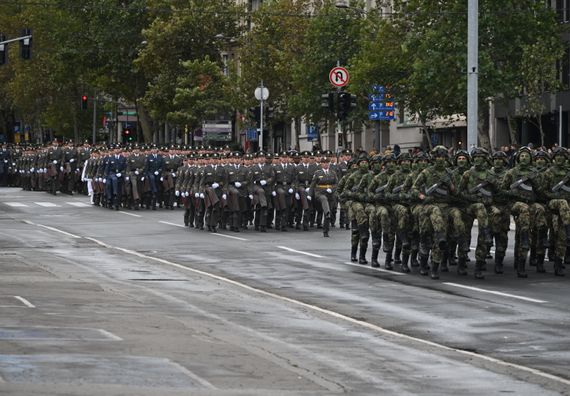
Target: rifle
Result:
[[436, 188], [562, 186], [522, 182], [397, 189], [480, 189]]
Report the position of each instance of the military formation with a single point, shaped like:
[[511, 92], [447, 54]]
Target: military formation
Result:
[[418, 209]]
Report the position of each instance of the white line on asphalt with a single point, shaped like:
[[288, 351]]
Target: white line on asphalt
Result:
[[79, 204], [110, 335], [337, 315], [129, 214], [229, 236], [375, 269], [52, 229], [46, 204], [26, 302], [16, 204], [300, 252], [495, 292], [172, 224]]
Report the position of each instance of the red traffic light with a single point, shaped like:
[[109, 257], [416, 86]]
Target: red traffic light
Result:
[[84, 102]]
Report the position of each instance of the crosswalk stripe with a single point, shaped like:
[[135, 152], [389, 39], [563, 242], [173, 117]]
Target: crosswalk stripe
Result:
[[46, 204], [79, 204], [16, 204]]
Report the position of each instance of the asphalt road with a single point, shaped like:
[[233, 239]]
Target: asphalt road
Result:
[[95, 302]]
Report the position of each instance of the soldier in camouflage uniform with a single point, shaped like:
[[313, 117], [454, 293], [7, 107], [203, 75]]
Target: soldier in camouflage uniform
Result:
[[538, 236], [499, 212], [345, 218], [323, 186], [434, 187]]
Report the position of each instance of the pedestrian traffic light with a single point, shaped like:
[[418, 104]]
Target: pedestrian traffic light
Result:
[[3, 50], [84, 102], [26, 44]]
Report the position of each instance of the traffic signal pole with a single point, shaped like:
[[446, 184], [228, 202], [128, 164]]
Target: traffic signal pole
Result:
[[472, 72], [94, 119], [15, 39]]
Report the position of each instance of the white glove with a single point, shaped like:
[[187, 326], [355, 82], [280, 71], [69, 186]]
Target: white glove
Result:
[[274, 193], [297, 196], [309, 198], [251, 197], [156, 173], [5, 161], [162, 179], [177, 193], [329, 190], [224, 196], [55, 161], [137, 173], [186, 194], [215, 185], [202, 195], [174, 175], [61, 168], [119, 174], [196, 195], [237, 184], [290, 191], [263, 182], [127, 178], [33, 169], [307, 190], [142, 178], [104, 181], [45, 170], [72, 160]]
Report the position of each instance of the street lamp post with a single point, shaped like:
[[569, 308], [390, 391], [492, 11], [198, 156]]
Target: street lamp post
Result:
[[472, 72]]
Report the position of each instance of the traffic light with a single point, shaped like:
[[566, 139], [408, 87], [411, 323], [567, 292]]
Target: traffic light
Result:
[[346, 102], [327, 101], [128, 135], [84, 102], [3, 50], [26, 44], [270, 112], [255, 113]]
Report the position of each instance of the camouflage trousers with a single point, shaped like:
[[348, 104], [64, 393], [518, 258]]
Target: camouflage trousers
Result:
[[403, 226], [560, 219], [381, 222], [433, 223], [500, 221], [359, 223], [461, 221]]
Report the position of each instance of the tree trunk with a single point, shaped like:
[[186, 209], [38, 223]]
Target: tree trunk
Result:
[[146, 123], [512, 132], [540, 128], [483, 128]]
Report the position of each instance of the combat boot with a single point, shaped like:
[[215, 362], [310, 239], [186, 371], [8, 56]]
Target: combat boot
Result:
[[405, 259], [424, 268], [558, 270], [326, 226], [444, 259], [362, 257], [388, 261], [499, 263], [374, 260], [521, 272], [479, 269], [567, 228], [462, 265], [353, 251], [397, 255], [434, 274], [540, 264], [414, 259]]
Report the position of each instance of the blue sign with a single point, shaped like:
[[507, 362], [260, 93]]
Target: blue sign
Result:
[[251, 134], [378, 88], [379, 106], [312, 132], [381, 115], [376, 97]]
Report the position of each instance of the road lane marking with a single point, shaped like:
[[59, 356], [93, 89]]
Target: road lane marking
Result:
[[79, 204], [300, 252], [394, 272], [52, 229], [129, 214], [345, 318], [229, 236], [495, 292], [25, 302], [173, 224], [47, 204], [109, 335], [16, 204]]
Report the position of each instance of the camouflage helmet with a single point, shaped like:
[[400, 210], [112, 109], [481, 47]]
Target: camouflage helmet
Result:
[[439, 151], [541, 154], [404, 157], [461, 153], [376, 159], [560, 151], [362, 158], [500, 155], [389, 157], [421, 156], [523, 149]]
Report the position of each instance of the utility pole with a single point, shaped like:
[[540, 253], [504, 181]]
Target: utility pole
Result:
[[472, 72], [94, 118]]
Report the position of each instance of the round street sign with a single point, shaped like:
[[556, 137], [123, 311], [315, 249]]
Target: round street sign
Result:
[[259, 91], [339, 76]]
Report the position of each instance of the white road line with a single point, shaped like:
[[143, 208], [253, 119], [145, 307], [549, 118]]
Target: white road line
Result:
[[495, 292], [52, 229], [47, 204], [345, 318], [300, 252], [16, 204], [110, 335], [375, 269], [79, 204], [229, 236], [25, 302], [173, 224], [129, 214]]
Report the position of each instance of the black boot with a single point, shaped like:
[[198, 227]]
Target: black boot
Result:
[[353, 251], [424, 269], [462, 265], [362, 257], [388, 261], [499, 263], [479, 269], [326, 226], [567, 228], [374, 260], [397, 255], [414, 259], [434, 270], [540, 264], [521, 262], [558, 270], [444, 259], [405, 259]]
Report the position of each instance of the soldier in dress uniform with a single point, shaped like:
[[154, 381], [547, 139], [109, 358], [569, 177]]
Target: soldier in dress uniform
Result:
[[154, 164], [262, 184], [171, 164], [54, 163], [238, 185]]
